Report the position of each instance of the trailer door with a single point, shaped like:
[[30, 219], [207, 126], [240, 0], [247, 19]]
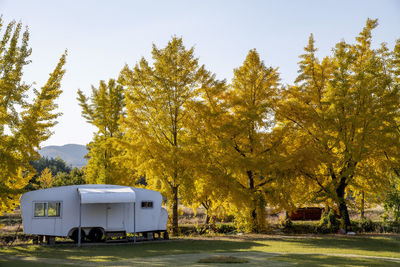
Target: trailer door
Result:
[[115, 216]]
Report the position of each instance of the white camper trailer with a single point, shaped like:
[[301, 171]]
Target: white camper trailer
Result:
[[98, 210]]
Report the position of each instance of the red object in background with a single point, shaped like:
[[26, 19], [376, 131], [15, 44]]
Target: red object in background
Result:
[[307, 214]]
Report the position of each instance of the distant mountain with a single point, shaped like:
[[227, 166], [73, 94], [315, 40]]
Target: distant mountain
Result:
[[72, 154]]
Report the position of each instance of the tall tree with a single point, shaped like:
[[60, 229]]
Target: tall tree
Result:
[[23, 125], [156, 130], [249, 133], [103, 110], [235, 132], [342, 112], [212, 186]]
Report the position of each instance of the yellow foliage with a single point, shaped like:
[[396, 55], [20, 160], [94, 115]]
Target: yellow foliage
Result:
[[104, 111], [157, 141], [23, 125], [45, 179], [238, 148], [342, 114]]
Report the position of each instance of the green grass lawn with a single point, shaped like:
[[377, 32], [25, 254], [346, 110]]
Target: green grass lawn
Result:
[[292, 248], [319, 260]]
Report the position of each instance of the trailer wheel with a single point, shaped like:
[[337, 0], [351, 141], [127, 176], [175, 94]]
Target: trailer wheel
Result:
[[75, 233], [95, 235]]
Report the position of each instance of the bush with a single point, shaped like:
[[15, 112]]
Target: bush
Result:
[[222, 228], [225, 228], [367, 225], [328, 223], [202, 229], [186, 230], [389, 227], [286, 223], [301, 227], [392, 201], [395, 227]]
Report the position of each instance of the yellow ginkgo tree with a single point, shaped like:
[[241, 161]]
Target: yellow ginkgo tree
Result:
[[23, 125], [157, 138], [45, 179], [343, 115], [240, 141], [103, 109]]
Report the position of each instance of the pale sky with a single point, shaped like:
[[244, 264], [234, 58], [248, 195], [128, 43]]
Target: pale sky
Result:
[[102, 36]]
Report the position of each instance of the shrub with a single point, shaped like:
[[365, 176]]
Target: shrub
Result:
[[367, 225], [286, 223], [225, 228], [328, 223], [301, 227], [389, 227], [392, 201]]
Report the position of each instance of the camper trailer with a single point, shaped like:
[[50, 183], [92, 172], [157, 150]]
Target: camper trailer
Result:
[[92, 212]]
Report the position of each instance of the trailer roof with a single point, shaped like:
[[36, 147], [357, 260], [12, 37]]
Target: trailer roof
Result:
[[106, 195]]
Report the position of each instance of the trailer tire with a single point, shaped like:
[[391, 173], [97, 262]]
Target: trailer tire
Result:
[[75, 235], [95, 235]]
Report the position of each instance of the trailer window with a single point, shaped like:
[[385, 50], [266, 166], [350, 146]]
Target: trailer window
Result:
[[40, 209], [53, 209], [147, 204], [47, 209]]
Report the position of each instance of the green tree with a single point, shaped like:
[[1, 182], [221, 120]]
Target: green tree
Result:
[[342, 114], [74, 177], [156, 130], [391, 199], [23, 125], [61, 173], [55, 165], [103, 110]]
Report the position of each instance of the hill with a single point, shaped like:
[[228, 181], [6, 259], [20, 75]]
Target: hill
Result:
[[72, 154]]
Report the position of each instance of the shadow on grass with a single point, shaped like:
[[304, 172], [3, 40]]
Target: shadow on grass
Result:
[[320, 260], [22, 263], [377, 244], [127, 251]]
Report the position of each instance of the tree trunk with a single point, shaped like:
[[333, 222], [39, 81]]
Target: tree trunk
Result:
[[251, 180], [362, 208], [207, 217], [207, 205], [175, 210], [260, 212], [253, 212], [344, 213]]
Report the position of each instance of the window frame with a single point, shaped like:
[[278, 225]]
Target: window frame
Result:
[[57, 209], [44, 209], [60, 207], [147, 203]]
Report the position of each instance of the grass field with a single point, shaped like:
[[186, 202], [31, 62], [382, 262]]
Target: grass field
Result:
[[249, 249], [257, 250]]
